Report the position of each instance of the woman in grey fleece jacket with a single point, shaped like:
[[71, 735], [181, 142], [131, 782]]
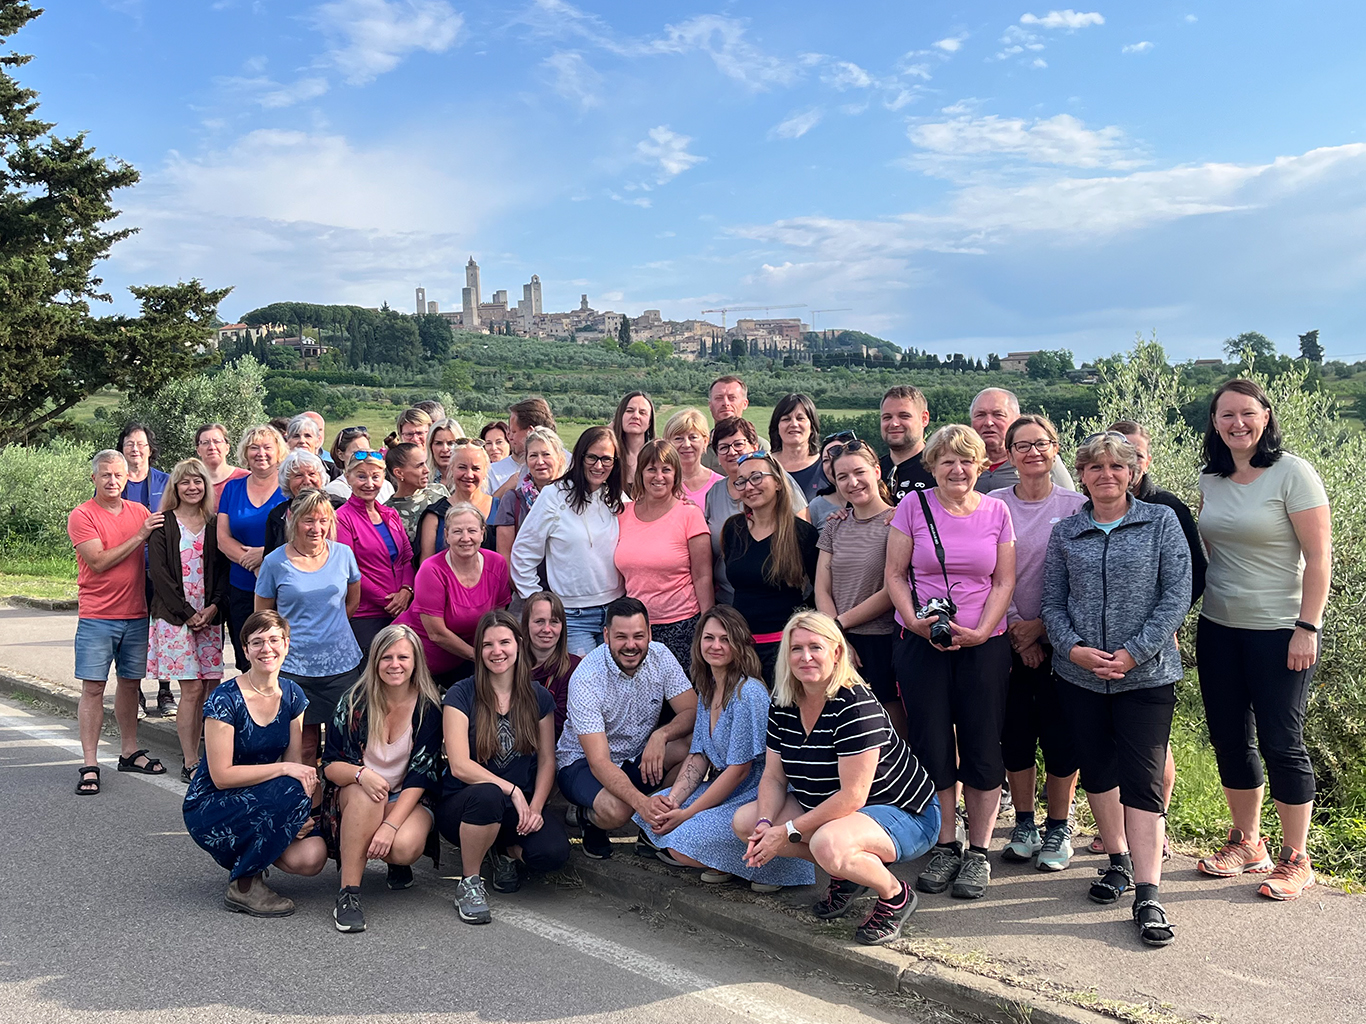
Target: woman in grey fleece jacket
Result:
[[1117, 581]]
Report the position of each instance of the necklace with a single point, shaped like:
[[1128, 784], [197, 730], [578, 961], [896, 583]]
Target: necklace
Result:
[[252, 683]]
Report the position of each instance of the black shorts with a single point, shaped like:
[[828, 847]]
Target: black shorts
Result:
[[955, 703], [1122, 740], [878, 671], [581, 787], [1034, 718]]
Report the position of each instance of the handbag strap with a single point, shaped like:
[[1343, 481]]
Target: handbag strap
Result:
[[938, 551]]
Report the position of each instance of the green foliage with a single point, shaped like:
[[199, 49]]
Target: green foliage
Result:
[[639, 348], [624, 334], [434, 333], [281, 357], [38, 489], [230, 395], [737, 350], [456, 377], [1259, 345], [1048, 365], [289, 396], [1310, 348]]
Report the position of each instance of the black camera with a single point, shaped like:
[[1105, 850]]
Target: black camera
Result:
[[939, 609]]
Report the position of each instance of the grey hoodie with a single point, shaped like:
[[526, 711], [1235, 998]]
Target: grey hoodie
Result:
[[1130, 588]]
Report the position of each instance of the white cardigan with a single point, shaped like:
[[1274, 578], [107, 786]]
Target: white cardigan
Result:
[[578, 550]]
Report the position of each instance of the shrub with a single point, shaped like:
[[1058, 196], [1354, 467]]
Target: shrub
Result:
[[38, 489], [230, 395]]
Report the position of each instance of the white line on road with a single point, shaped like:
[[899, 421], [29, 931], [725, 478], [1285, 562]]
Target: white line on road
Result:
[[39, 734]]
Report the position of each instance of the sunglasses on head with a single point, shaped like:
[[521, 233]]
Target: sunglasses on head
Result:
[[757, 454], [349, 432], [850, 446], [470, 442], [362, 456], [1106, 433], [843, 435]]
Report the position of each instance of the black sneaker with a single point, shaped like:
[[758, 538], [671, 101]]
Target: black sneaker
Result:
[[347, 913], [840, 894], [596, 845], [885, 921], [943, 868], [400, 876], [166, 704], [645, 848], [506, 877], [973, 877]]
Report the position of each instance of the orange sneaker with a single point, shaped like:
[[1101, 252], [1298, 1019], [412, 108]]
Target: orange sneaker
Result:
[[1238, 856], [1291, 877]]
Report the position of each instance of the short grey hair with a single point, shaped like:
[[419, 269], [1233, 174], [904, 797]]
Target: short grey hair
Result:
[[107, 455], [461, 508], [1107, 447], [296, 461], [1014, 400], [297, 424]]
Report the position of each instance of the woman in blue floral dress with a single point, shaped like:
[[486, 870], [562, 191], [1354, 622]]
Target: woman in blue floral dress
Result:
[[250, 799], [728, 742]]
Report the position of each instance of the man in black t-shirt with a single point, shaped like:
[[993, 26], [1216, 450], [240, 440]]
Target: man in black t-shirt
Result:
[[905, 415]]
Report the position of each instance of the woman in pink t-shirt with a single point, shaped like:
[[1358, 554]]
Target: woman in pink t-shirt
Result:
[[955, 691], [664, 551], [454, 588]]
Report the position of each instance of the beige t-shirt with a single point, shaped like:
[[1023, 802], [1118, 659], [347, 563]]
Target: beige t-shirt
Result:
[[859, 554], [1256, 567]]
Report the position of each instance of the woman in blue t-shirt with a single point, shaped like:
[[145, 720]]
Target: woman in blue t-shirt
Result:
[[500, 748]]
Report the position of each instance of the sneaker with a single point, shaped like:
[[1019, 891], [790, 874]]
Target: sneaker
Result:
[[1291, 876], [506, 877], [571, 816], [260, 900], [472, 902], [347, 914], [840, 893], [142, 705], [665, 857], [940, 872], [1056, 852], [166, 704], [885, 921], [400, 877], [1237, 856], [973, 877], [648, 850], [715, 877], [1024, 842], [765, 887], [596, 845]]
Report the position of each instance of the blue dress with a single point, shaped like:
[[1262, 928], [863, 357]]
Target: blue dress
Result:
[[246, 828], [740, 737]]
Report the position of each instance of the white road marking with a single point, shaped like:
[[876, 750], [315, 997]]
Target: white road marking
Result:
[[38, 734]]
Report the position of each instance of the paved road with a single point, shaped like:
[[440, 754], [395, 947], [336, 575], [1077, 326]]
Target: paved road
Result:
[[112, 914]]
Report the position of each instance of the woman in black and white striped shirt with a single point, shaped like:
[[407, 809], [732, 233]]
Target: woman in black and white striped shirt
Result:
[[856, 788]]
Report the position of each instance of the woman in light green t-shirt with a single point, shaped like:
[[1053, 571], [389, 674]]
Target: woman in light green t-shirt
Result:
[[1265, 522]]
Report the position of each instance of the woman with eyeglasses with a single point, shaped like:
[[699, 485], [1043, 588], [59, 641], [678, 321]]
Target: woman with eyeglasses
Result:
[[545, 462], [348, 441], [824, 504], [770, 554], [1117, 578], [1034, 717], [374, 533], [212, 448], [634, 427], [664, 551], [953, 659], [731, 439], [573, 528], [469, 468], [146, 484], [850, 570], [794, 430], [687, 432]]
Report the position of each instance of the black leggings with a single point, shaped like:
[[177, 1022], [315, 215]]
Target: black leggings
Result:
[[1122, 740], [875, 651], [1034, 718], [955, 695], [546, 849], [241, 603], [1254, 701]]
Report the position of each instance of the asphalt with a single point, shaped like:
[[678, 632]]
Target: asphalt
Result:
[[1034, 948]]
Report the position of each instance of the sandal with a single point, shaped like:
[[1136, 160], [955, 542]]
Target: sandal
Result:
[[150, 765], [88, 786], [1097, 845], [1153, 927], [1115, 880]]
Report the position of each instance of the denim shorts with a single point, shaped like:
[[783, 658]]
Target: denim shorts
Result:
[[912, 834], [583, 628], [102, 642]]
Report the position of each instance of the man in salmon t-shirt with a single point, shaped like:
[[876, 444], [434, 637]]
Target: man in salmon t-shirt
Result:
[[110, 535]]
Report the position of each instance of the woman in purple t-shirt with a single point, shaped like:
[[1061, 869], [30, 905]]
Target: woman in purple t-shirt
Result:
[[956, 684]]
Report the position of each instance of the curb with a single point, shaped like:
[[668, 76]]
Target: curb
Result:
[[67, 700], [879, 968], [42, 604]]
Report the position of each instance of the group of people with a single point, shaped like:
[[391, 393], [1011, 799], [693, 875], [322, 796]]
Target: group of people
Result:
[[765, 657]]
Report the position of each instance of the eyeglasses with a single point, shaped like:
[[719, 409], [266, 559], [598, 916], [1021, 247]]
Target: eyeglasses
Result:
[[362, 456], [1106, 433], [1041, 445], [844, 449], [753, 480], [734, 447], [211, 442], [136, 446], [260, 643], [843, 435], [599, 460], [757, 454]]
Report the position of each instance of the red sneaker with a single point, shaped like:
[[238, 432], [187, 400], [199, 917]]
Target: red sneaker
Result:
[[1238, 856], [1290, 878]]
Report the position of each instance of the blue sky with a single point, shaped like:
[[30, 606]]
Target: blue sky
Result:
[[965, 177]]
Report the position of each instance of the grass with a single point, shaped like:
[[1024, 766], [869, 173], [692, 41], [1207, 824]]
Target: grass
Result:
[[46, 563], [18, 585]]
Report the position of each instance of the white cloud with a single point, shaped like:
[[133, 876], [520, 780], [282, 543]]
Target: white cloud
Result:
[[371, 37], [1142, 47], [845, 75], [796, 125], [1039, 62], [271, 95], [574, 78], [1191, 18], [669, 151], [1068, 19], [723, 39], [952, 44], [1059, 140]]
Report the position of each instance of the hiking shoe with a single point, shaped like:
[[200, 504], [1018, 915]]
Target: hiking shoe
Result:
[[506, 877], [885, 921], [973, 877], [347, 914], [1056, 852], [1024, 842], [471, 901], [400, 877], [1291, 876], [1237, 856], [940, 872], [260, 900], [166, 704], [840, 893], [596, 845]]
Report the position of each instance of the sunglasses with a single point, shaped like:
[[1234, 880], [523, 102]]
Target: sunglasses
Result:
[[470, 442], [757, 454], [844, 449], [1106, 433], [363, 456], [347, 433], [843, 435]]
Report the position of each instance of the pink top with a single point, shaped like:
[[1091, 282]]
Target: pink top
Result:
[[120, 591], [441, 595], [654, 561], [237, 474], [969, 553], [380, 575], [698, 496]]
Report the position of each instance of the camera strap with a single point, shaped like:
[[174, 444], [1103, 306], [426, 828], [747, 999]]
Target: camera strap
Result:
[[938, 550]]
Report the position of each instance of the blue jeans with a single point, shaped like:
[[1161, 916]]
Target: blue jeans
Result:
[[102, 642], [583, 628], [911, 834]]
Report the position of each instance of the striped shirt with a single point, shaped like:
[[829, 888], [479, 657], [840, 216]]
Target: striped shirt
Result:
[[850, 723]]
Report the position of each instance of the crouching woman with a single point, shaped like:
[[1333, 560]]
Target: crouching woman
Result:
[[250, 809], [840, 787], [382, 764]]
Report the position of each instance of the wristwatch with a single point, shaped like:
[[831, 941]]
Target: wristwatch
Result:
[[793, 836]]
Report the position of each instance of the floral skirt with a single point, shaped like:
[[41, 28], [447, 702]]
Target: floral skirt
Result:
[[178, 652]]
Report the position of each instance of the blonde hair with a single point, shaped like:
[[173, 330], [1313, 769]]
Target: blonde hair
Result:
[[413, 416], [658, 452], [170, 498], [551, 440], [786, 690], [447, 424], [253, 434], [371, 693], [306, 504], [955, 439], [1110, 445], [680, 421]]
